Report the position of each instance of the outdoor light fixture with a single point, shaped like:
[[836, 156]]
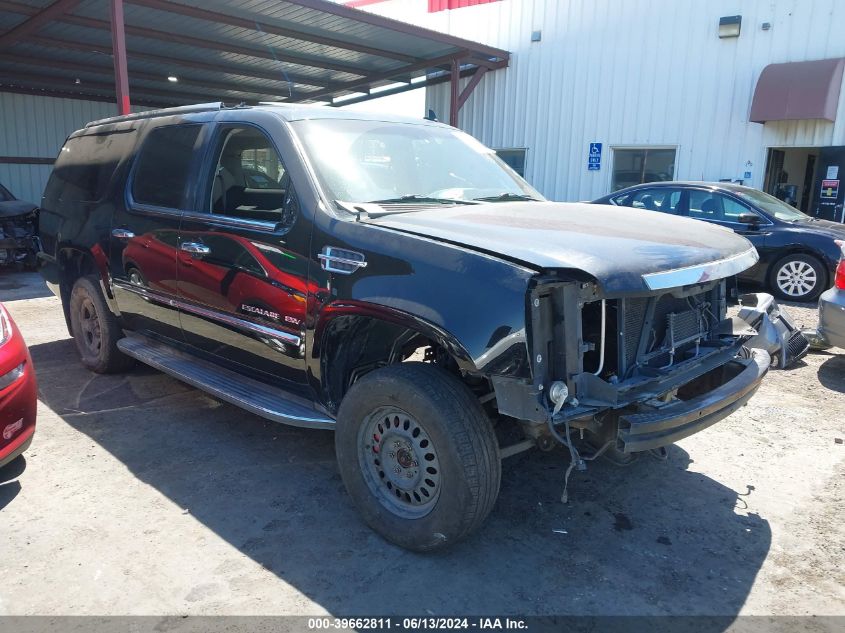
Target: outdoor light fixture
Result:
[[729, 26], [172, 79]]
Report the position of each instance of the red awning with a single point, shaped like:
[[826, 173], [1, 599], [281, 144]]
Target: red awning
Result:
[[798, 90]]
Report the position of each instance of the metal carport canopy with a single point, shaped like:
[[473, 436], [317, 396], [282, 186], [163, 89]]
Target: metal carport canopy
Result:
[[225, 50]]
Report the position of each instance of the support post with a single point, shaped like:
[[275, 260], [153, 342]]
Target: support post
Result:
[[453, 101], [118, 45]]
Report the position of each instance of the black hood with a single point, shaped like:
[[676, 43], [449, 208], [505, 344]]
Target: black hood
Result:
[[623, 249], [14, 208]]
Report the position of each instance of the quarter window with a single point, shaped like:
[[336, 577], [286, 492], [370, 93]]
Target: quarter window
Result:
[[164, 165], [86, 164]]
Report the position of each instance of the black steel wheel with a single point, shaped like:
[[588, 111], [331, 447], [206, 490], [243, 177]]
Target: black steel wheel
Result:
[[95, 329], [418, 455], [399, 462]]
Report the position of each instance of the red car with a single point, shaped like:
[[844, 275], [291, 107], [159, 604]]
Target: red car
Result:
[[18, 391]]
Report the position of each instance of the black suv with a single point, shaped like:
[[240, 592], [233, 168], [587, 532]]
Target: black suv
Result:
[[393, 280]]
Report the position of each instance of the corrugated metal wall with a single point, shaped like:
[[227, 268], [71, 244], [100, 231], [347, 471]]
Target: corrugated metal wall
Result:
[[645, 73], [37, 127]]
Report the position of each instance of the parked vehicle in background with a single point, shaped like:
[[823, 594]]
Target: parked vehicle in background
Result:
[[798, 253], [384, 240], [831, 330], [18, 231], [18, 391]]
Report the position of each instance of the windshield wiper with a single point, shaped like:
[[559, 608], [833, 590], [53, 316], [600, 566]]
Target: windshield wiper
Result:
[[420, 198], [507, 197]]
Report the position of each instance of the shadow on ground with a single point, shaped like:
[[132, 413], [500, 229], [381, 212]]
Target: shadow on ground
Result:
[[652, 538], [10, 487], [832, 373], [16, 286]]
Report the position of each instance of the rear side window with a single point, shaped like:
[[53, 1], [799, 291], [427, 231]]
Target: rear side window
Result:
[[164, 164], [86, 164]]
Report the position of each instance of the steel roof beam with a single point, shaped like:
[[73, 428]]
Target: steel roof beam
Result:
[[86, 96], [185, 63], [44, 63], [352, 86], [28, 79], [166, 36], [254, 25], [401, 27], [37, 19]]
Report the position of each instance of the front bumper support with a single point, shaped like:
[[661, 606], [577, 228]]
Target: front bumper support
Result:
[[673, 422]]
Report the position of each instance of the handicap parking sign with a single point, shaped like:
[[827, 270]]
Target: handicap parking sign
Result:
[[594, 159]]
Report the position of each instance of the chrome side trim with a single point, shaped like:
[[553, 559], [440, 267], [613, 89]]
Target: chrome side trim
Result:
[[233, 222], [699, 273], [214, 315]]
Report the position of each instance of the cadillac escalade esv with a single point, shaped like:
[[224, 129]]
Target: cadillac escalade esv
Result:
[[393, 280]]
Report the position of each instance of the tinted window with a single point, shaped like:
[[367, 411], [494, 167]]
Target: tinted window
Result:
[[86, 164], [664, 199], [707, 205], [164, 164], [5, 195], [249, 179]]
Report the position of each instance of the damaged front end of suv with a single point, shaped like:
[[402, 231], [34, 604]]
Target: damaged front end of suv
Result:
[[637, 371], [19, 244]]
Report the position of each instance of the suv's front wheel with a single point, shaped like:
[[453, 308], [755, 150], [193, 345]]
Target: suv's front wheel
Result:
[[418, 455]]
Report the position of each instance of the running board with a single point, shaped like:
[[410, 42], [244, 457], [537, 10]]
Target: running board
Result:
[[246, 393]]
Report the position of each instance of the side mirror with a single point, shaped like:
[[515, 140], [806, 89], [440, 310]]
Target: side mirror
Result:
[[751, 219]]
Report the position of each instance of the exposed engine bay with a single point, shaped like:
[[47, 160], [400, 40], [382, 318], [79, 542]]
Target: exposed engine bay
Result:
[[19, 244]]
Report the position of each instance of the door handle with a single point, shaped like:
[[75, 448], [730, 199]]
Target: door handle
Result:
[[123, 234], [196, 249]]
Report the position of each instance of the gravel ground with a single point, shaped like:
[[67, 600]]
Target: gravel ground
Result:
[[140, 495]]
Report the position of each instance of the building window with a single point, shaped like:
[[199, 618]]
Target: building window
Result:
[[513, 158], [644, 164]]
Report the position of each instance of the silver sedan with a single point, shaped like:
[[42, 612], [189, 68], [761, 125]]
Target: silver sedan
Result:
[[831, 331]]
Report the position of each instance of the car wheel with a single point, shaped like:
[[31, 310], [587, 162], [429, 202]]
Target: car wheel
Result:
[[95, 329], [418, 455], [798, 278]]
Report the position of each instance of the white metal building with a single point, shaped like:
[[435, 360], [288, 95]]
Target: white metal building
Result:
[[655, 84]]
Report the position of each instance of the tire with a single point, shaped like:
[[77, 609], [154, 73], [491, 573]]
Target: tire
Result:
[[95, 329], [798, 277], [439, 434]]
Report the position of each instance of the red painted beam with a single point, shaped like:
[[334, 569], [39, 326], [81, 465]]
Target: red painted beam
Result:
[[467, 91], [118, 45], [454, 97], [37, 19]]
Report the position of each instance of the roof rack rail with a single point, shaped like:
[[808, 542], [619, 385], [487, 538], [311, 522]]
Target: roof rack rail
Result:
[[149, 114]]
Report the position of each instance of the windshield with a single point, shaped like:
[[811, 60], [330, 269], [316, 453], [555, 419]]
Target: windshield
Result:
[[772, 205], [374, 161]]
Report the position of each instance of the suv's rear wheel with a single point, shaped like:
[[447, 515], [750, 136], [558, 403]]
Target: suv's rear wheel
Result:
[[418, 455], [95, 329], [798, 278]]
